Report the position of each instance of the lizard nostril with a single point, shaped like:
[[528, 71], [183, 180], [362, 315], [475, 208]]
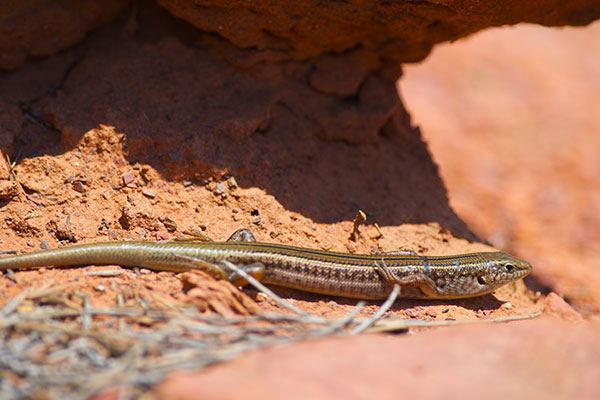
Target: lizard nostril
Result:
[[481, 280]]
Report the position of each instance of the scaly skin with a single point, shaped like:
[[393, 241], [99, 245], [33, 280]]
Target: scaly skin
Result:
[[318, 271]]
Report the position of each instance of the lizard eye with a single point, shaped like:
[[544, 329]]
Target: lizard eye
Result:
[[509, 267], [481, 280]]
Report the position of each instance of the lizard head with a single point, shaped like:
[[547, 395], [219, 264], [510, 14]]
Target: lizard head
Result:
[[481, 273]]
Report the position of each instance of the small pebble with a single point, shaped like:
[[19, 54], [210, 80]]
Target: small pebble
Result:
[[232, 183], [169, 224], [152, 193], [127, 178], [220, 189], [431, 313], [78, 186]]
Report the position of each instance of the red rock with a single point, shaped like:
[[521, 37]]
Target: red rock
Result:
[[534, 359], [556, 305], [497, 127]]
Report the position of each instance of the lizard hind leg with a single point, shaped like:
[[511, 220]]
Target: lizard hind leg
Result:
[[242, 235]]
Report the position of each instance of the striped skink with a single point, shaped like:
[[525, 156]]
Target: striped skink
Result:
[[338, 274]]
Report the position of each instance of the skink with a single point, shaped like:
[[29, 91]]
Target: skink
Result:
[[338, 274]]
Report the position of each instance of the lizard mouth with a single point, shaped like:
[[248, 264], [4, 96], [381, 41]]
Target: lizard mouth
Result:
[[501, 278]]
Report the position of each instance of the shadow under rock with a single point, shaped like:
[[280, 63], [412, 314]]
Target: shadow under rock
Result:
[[192, 113]]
